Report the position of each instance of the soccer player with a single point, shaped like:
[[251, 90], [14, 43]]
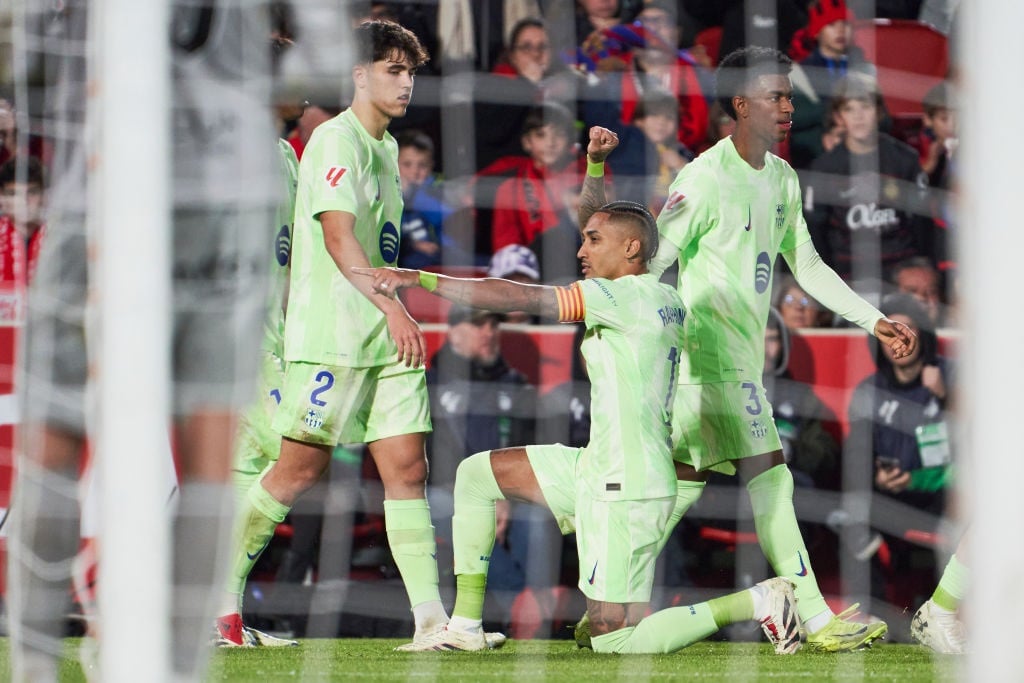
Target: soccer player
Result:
[[353, 358], [619, 491], [257, 446], [729, 215]]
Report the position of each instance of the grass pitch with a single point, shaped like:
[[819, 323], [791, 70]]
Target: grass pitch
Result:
[[369, 659]]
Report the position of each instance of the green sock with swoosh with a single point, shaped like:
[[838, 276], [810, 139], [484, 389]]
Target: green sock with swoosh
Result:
[[771, 497], [254, 527], [473, 532]]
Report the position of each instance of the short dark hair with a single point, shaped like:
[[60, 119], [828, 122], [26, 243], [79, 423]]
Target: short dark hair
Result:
[[856, 86], [739, 68], [522, 25], [412, 137], [939, 96], [549, 113], [33, 172], [657, 102], [377, 40], [640, 217]]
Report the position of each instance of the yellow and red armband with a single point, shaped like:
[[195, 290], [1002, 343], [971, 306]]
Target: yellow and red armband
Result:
[[571, 307]]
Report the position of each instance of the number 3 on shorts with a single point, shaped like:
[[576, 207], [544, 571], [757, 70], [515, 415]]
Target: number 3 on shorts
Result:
[[753, 405]]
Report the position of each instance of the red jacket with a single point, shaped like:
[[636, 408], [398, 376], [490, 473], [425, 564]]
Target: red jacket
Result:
[[18, 259], [529, 203]]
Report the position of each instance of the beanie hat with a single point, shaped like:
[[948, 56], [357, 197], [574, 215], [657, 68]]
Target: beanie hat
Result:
[[824, 12]]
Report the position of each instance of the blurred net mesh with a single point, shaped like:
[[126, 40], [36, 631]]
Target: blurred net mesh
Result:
[[310, 598]]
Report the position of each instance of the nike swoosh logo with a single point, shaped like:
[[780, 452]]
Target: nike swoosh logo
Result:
[[592, 575], [747, 226], [803, 567]]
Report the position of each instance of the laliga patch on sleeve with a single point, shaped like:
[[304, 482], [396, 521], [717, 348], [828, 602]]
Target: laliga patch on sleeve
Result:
[[673, 201], [334, 175]]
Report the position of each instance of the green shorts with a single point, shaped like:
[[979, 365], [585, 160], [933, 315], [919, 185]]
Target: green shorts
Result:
[[330, 404], [715, 424], [617, 541], [257, 445]]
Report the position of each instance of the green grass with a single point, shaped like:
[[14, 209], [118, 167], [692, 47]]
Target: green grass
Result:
[[558, 660]]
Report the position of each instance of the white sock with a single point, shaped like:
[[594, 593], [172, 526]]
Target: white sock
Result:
[[819, 621], [464, 624], [759, 593], [429, 615]]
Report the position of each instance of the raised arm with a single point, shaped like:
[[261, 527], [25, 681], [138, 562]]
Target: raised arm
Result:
[[341, 243], [592, 196], [492, 294]]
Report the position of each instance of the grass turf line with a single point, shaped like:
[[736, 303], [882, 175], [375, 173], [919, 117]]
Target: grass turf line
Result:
[[369, 659]]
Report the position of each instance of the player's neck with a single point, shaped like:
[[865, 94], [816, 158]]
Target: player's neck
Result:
[[750, 148], [373, 119]]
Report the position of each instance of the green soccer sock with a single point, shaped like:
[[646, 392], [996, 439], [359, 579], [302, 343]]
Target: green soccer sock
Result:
[[473, 530], [771, 497], [952, 586], [663, 632], [687, 493], [411, 538], [254, 527], [732, 608]]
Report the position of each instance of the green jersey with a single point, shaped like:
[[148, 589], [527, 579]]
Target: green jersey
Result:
[[273, 326], [631, 348], [329, 321], [729, 222]]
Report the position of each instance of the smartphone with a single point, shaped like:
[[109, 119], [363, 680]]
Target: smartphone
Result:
[[884, 463]]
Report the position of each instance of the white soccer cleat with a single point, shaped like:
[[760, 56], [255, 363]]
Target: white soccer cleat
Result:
[[445, 640], [261, 639], [782, 625], [494, 639], [939, 630]]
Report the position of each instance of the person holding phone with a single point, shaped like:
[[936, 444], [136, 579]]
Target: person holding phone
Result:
[[899, 423]]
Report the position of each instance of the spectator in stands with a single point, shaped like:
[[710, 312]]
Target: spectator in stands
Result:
[[798, 308], [918, 277], [21, 232], [770, 23], [633, 60], [940, 136], [479, 403], [533, 200], [652, 153], [810, 450], [526, 75], [899, 435], [518, 263], [831, 56], [865, 199], [425, 210], [31, 146], [313, 114]]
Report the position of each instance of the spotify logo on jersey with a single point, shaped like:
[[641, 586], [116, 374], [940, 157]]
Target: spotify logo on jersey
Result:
[[389, 243], [762, 272]]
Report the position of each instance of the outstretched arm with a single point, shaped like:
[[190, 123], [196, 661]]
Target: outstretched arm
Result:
[[492, 294], [823, 284], [592, 196]]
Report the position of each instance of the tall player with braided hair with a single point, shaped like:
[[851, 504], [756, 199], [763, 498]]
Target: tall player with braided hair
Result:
[[618, 493]]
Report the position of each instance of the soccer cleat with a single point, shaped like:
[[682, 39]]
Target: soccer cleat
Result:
[[581, 632], [939, 630], [843, 635], [493, 640], [782, 625], [262, 639], [444, 640]]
